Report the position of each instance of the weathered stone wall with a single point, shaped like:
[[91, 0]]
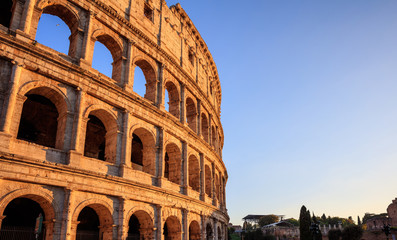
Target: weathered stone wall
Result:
[[176, 189]]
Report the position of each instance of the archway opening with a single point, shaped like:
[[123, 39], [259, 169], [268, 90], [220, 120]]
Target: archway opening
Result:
[[166, 166], [95, 140], [143, 151], [171, 101], [194, 173], [219, 233], [172, 229], [191, 114], [145, 82], [209, 233], [204, 127], [6, 13], [194, 231], [172, 163], [166, 100], [133, 229], [21, 215], [39, 121], [102, 59], [208, 181], [137, 152], [139, 82], [88, 227], [53, 32]]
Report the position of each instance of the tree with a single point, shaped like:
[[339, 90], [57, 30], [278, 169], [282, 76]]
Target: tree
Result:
[[293, 221], [334, 234], [323, 218], [358, 220], [304, 224], [268, 219], [352, 232]]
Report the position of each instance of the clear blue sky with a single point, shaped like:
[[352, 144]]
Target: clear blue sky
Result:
[[309, 106]]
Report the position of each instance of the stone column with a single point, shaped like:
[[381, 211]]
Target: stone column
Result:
[[123, 228], [209, 129], [159, 154], [185, 227], [184, 168], [203, 228], [78, 130], [9, 103], [68, 228], [215, 229], [202, 178], [125, 154], [158, 223], [85, 62], [160, 85], [199, 123], [27, 14], [213, 193], [126, 82], [106, 231], [183, 103], [49, 229]]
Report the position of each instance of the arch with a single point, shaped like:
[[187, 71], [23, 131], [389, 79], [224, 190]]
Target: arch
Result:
[[208, 181], [67, 14], [204, 127], [150, 77], [101, 134], [140, 225], [115, 48], [109, 119], [39, 196], [47, 105], [217, 186], [50, 91], [194, 173], [191, 114], [174, 99], [103, 211], [143, 150], [219, 232], [214, 137], [172, 229], [6, 13], [45, 200], [173, 163], [194, 230]]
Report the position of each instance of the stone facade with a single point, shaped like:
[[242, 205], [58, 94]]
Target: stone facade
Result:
[[90, 154]]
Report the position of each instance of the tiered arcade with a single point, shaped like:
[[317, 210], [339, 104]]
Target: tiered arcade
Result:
[[86, 152]]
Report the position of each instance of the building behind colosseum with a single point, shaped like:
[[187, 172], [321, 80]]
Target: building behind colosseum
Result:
[[85, 152]]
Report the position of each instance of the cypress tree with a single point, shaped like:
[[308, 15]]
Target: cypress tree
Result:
[[304, 224]]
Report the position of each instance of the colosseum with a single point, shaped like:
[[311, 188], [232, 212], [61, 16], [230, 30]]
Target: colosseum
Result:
[[82, 154]]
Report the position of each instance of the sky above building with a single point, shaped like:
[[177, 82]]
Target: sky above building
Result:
[[309, 102]]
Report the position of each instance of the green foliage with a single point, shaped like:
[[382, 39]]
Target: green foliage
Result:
[[293, 221], [268, 219], [254, 235], [352, 232], [334, 234], [269, 237], [304, 224]]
